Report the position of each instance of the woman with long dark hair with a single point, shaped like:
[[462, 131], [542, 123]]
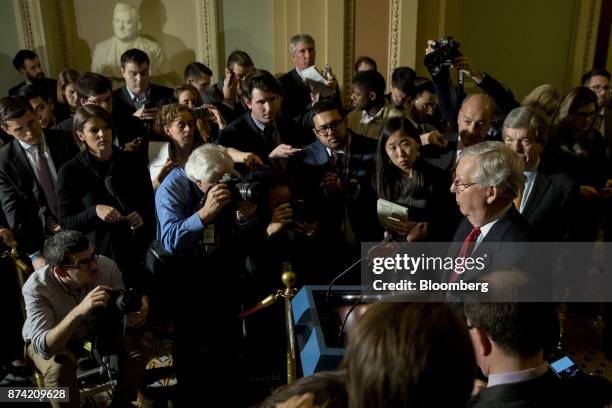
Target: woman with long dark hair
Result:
[[106, 194], [404, 179]]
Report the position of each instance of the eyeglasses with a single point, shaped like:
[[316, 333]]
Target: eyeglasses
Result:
[[426, 105], [461, 187], [335, 125], [83, 264]]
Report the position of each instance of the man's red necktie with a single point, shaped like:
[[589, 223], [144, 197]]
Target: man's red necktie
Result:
[[467, 248]]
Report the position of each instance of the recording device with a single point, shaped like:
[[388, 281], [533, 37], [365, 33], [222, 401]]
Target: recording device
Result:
[[241, 190], [202, 112], [112, 318], [445, 51], [120, 304], [564, 367]]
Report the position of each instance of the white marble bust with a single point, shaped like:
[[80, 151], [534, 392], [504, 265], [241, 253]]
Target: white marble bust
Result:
[[126, 25]]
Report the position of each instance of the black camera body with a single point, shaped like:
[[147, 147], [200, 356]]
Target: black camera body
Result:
[[109, 324], [120, 304], [241, 190], [124, 301], [445, 51], [202, 112]]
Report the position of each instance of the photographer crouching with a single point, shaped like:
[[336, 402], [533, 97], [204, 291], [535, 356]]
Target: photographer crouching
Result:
[[203, 223], [64, 301]]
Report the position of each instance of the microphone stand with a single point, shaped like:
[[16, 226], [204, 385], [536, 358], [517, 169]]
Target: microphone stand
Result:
[[333, 282], [288, 278]]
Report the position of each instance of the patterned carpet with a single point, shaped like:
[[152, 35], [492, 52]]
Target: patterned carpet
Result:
[[582, 337]]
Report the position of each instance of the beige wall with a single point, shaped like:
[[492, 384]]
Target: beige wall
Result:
[[8, 48], [249, 26], [372, 32], [522, 43]]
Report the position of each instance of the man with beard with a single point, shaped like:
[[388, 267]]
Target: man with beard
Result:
[[473, 121], [27, 63]]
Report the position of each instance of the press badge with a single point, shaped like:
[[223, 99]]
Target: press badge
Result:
[[209, 235]]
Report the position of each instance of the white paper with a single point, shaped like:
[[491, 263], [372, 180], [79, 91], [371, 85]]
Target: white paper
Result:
[[158, 155], [315, 80]]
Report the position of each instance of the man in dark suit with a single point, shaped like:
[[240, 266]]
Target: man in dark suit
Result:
[[260, 137], [598, 81], [508, 338], [95, 89], [297, 98], [548, 201], [473, 121], [139, 97], [334, 175], [27, 63], [488, 177], [226, 94], [28, 173]]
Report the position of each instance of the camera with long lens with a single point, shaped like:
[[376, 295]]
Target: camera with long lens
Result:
[[241, 190], [445, 51]]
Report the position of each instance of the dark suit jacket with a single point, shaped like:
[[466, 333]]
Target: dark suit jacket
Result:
[[309, 169], [244, 135], [123, 108], [48, 85], [21, 197], [296, 100], [551, 207], [80, 188], [510, 227], [544, 391], [451, 97], [214, 96], [442, 158], [585, 391]]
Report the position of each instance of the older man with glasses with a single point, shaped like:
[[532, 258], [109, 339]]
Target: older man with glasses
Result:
[[489, 176], [63, 302]]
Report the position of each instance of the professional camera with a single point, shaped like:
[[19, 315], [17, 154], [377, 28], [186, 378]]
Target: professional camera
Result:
[[124, 301], [241, 190], [110, 319], [445, 51]]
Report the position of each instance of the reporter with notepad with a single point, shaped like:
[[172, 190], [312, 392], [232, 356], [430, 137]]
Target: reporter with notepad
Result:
[[404, 179], [178, 123]]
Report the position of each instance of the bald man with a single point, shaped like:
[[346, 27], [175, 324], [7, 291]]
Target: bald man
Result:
[[473, 122]]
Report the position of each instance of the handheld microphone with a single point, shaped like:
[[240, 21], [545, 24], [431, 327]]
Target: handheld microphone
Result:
[[385, 240]]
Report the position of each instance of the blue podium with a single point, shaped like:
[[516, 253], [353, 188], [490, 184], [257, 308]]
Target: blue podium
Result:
[[317, 326]]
